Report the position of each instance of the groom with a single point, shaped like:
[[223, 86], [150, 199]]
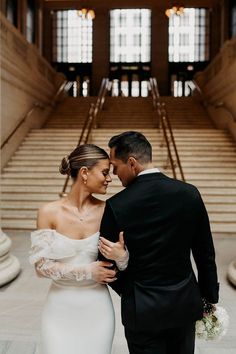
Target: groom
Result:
[[163, 221]]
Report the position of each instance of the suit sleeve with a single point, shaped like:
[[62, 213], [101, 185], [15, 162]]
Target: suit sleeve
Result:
[[204, 256], [110, 230]]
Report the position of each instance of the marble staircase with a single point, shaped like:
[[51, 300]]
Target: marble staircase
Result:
[[208, 156]]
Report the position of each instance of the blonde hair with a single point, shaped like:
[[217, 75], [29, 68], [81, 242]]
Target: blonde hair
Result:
[[86, 155]]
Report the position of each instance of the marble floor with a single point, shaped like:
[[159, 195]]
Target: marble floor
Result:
[[21, 302]]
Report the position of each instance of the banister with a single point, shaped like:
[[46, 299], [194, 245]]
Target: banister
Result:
[[35, 105], [166, 128], [173, 142], [65, 86]]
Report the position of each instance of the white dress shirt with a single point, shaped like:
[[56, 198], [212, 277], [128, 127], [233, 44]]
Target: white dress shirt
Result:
[[149, 170]]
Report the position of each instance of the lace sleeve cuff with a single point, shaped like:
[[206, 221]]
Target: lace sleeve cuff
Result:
[[61, 271], [122, 263]]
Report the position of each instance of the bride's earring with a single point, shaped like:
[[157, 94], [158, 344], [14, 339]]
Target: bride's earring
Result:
[[85, 181]]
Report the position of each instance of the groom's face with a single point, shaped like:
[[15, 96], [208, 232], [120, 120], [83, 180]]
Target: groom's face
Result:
[[121, 169]]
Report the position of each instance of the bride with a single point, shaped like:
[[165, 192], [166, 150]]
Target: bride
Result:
[[78, 316]]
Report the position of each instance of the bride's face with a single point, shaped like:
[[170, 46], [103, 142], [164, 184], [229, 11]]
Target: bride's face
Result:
[[98, 177]]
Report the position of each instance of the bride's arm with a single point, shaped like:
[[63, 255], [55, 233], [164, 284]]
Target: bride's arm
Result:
[[48, 265], [57, 270], [115, 251]]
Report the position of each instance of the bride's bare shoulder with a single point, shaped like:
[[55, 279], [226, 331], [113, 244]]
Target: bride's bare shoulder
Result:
[[47, 214], [50, 207]]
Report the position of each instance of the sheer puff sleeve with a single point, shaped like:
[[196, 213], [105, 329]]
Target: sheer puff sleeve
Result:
[[46, 252]]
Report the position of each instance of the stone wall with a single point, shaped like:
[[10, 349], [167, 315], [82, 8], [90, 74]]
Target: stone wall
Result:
[[26, 79], [218, 85]]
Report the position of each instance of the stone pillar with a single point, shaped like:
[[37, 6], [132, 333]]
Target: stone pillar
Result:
[[100, 49], [159, 56], [3, 6], [9, 264]]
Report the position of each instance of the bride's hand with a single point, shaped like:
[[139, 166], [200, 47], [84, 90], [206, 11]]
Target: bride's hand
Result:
[[112, 250], [101, 274]]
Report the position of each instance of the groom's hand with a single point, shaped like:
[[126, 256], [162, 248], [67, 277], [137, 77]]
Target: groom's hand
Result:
[[101, 274]]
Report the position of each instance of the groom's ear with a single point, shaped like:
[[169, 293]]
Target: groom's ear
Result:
[[132, 162]]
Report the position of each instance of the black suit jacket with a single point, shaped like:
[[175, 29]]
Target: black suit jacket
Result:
[[163, 221]]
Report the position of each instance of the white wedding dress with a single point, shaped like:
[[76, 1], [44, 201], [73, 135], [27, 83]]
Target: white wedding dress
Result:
[[78, 316]]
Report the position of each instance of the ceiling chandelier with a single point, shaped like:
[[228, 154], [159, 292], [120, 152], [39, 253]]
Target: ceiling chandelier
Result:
[[85, 13], [175, 10]]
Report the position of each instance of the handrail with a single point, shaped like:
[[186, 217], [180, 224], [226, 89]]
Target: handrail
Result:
[[166, 128], [65, 86], [35, 105], [166, 118], [193, 85], [89, 123], [199, 90]]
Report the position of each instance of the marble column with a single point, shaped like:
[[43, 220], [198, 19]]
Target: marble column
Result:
[[232, 272], [9, 264]]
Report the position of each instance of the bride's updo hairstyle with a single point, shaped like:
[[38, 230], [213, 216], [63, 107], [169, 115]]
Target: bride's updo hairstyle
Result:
[[86, 155]]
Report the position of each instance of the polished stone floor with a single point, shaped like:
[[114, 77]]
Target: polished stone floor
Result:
[[21, 302]]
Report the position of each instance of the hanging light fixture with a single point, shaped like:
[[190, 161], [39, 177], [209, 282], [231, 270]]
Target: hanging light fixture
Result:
[[175, 10], [86, 13]]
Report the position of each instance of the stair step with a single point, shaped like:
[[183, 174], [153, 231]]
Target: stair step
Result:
[[19, 224], [219, 199], [221, 208], [9, 182], [207, 177], [223, 228], [19, 214], [38, 176], [215, 184], [223, 218], [20, 205], [30, 197]]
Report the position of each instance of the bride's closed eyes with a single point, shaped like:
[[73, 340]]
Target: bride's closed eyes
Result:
[[105, 172]]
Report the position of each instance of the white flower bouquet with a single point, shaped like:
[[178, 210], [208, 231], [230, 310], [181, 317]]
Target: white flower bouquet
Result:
[[213, 325]]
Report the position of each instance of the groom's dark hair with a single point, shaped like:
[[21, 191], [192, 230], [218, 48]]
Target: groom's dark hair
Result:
[[131, 143]]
